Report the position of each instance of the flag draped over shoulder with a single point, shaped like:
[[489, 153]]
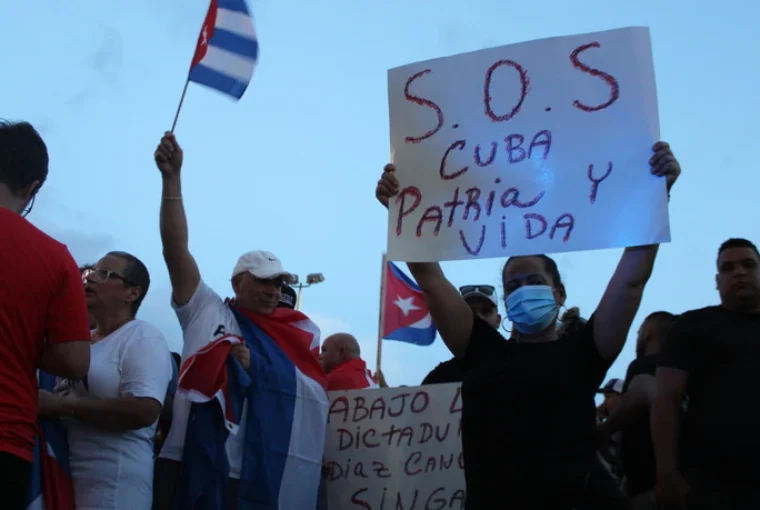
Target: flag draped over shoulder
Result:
[[286, 416], [51, 486]]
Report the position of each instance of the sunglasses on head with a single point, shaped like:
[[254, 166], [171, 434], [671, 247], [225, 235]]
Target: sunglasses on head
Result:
[[488, 290]]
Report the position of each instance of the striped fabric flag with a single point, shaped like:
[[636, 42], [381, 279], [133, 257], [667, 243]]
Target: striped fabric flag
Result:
[[51, 487], [227, 48], [286, 416]]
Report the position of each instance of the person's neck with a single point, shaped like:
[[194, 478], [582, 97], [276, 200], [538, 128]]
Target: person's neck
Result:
[[108, 323], [748, 309], [9, 201], [548, 335], [653, 348]]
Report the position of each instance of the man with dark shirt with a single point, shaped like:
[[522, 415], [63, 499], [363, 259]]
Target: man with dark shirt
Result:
[[631, 416], [711, 356], [483, 301]]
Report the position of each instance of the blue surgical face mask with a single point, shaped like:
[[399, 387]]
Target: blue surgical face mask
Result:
[[532, 308]]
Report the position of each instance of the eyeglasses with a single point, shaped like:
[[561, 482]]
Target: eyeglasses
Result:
[[28, 209], [101, 276], [488, 290]]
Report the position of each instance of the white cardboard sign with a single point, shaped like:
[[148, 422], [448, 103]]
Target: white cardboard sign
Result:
[[395, 448], [537, 147]]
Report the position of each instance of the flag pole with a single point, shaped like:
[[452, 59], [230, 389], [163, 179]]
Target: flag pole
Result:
[[382, 312], [181, 100]]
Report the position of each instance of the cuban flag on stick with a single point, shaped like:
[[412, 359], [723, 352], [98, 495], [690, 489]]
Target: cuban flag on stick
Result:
[[404, 315], [227, 49]]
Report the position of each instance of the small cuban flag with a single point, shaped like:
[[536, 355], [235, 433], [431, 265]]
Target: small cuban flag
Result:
[[227, 49], [406, 318]]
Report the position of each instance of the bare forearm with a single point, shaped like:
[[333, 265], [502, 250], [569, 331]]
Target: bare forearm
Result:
[[451, 315], [665, 425], [173, 221], [428, 275], [70, 361], [116, 415], [636, 264]]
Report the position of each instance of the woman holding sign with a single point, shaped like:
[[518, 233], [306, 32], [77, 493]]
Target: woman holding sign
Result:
[[529, 429]]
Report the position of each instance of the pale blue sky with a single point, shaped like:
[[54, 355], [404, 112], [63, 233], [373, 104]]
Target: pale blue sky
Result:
[[292, 166]]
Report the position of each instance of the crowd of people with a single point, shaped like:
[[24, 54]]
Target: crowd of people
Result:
[[679, 431]]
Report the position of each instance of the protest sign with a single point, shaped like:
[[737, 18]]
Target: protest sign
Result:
[[395, 448], [537, 147]]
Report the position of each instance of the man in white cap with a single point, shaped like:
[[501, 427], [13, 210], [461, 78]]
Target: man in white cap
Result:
[[205, 318]]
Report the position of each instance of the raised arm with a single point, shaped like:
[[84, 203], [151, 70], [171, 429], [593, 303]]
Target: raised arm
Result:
[[451, 315], [183, 270], [622, 298]]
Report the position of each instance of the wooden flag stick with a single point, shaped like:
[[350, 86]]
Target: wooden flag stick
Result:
[[382, 313], [181, 100]]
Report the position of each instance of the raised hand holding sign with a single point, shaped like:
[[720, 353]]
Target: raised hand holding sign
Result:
[[537, 147]]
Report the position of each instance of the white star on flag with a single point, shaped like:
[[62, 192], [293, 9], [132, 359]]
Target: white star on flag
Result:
[[406, 305]]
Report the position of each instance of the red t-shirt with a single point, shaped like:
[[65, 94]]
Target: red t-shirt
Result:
[[41, 300], [350, 375]]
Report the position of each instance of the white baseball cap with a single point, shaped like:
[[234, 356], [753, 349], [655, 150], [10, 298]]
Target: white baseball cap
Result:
[[261, 264]]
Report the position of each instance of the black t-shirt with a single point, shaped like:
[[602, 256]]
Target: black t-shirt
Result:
[[636, 450], [447, 372], [529, 416], [720, 350]]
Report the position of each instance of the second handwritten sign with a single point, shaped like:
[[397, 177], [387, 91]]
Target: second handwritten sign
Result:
[[536, 147], [395, 448]]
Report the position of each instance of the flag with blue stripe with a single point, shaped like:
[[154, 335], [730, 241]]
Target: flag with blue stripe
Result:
[[227, 48]]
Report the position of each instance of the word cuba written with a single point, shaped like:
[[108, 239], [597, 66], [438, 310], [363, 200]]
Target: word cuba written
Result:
[[517, 147]]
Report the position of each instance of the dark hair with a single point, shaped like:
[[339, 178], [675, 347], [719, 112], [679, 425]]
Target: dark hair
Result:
[[663, 320], [549, 265], [23, 156], [571, 321], [135, 274], [736, 242], [85, 267]]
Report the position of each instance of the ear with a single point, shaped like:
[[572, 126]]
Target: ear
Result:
[[560, 295], [133, 294], [236, 284], [716, 282], [28, 192]]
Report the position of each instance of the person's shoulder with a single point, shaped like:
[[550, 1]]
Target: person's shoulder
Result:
[[146, 329], [707, 311], [482, 330], [581, 332], [699, 317], [448, 371]]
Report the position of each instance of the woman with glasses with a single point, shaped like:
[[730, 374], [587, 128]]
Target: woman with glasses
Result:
[[111, 415], [529, 416]]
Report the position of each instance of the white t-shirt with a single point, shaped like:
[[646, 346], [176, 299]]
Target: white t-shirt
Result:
[[203, 319], [114, 470]]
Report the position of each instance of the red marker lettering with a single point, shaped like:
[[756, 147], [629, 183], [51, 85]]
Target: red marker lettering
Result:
[[487, 97], [422, 102], [609, 79]]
